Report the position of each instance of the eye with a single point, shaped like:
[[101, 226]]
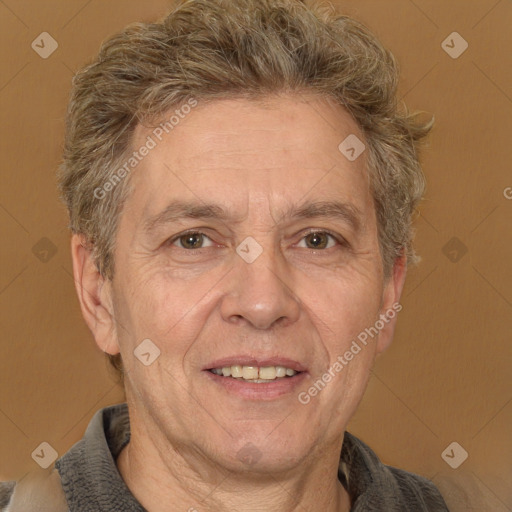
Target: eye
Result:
[[191, 240], [320, 240], [315, 240]]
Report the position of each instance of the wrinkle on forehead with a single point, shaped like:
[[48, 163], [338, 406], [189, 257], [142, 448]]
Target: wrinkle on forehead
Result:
[[249, 157]]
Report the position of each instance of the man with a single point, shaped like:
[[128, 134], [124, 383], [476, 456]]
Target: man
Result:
[[240, 184]]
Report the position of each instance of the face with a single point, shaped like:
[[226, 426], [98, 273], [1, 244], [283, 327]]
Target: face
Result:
[[249, 244]]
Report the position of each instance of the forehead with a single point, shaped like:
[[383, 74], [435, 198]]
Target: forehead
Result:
[[250, 151]]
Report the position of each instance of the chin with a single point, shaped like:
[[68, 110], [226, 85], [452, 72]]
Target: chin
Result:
[[263, 453]]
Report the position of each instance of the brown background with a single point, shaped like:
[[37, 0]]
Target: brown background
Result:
[[447, 376]]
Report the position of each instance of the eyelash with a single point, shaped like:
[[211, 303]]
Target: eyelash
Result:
[[337, 238]]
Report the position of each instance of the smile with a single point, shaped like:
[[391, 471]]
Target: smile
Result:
[[255, 374]]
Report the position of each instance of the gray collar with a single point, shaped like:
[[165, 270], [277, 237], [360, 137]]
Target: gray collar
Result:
[[92, 482], [90, 478]]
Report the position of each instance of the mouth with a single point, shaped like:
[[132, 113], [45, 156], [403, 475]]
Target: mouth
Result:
[[255, 374], [256, 379]]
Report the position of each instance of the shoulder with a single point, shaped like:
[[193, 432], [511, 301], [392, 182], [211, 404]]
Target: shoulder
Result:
[[6, 491], [377, 486], [463, 490], [418, 489], [74, 474], [39, 490]]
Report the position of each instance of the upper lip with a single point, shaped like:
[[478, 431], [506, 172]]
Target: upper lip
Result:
[[244, 360]]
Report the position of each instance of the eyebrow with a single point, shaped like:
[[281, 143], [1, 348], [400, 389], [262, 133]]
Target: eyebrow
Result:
[[179, 210]]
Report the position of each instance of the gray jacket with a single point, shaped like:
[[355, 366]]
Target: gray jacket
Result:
[[86, 478]]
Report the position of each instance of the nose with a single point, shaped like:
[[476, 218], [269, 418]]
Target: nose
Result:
[[261, 293]]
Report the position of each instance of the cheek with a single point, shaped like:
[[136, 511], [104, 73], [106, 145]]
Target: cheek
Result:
[[343, 308], [164, 309], [342, 314]]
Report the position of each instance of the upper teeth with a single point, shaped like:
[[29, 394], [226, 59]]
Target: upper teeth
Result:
[[254, 372]]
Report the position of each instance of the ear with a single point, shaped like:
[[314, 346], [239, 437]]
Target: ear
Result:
[[94, 295], [391, 306]]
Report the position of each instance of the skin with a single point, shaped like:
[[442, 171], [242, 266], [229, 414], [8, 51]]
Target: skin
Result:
[[304, 298]]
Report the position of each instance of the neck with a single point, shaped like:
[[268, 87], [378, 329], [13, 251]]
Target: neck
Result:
[[158, 475]]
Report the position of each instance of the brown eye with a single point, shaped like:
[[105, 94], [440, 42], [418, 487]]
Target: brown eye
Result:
[[191, 240], [319, 240]]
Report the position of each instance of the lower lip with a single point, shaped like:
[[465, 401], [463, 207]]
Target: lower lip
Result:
[[253, 391]]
